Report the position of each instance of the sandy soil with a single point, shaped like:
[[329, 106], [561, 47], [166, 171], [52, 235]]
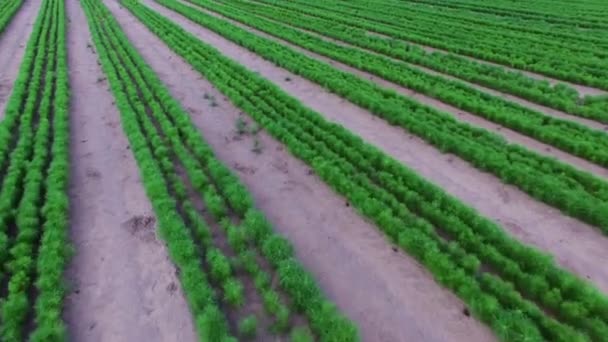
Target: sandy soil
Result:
[[124, 286], [511, 135], [406, 305], [12, 45], [575, 245]]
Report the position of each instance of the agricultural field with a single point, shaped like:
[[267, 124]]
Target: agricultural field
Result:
[[304, 170]]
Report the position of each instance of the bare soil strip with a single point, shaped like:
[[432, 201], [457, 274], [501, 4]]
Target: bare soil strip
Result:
[[510, 135], [12, 45], [124, 287], [394, 299], [575, 245]]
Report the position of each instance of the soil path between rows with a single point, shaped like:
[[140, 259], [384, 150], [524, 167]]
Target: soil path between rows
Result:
[[124, 287], [13, 41], [510, 135], [575, 245], [388, 295]]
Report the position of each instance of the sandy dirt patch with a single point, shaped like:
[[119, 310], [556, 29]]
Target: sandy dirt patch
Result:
[[124, 287]]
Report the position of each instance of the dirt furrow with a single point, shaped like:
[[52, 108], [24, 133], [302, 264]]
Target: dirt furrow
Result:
[[407, 305], [575, 245], [124, 287], [12, 47], [511, 135]]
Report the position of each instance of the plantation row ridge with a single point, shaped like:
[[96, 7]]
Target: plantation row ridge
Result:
[[332, 171]]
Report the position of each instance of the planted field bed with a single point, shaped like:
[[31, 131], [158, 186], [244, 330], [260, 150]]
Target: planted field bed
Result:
[[365, 170], [34, 203]]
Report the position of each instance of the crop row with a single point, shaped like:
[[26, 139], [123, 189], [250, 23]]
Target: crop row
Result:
[[576, 193], [165, 138], [8, 9], [406, 11], [572, 66], [565, 15], [33, 200], [563, 134], [560, 96], [505, 283], [445, 13]]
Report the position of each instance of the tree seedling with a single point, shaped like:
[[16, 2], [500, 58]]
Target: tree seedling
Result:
[[248, 326]]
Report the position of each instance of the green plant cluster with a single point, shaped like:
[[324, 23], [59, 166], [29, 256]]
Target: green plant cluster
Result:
[[164, 135], [505, 283], [576, 193], [584, 65], [560, 96], [8, 9], [566, 135], [33, 197]]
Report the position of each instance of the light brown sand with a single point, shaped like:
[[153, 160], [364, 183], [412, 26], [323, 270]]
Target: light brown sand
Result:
[[124, 286], [12, 47], [575, 245], [387, 293]]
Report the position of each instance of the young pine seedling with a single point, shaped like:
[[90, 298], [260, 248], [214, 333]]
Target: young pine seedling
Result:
[[300, 334], [234, 292], [248, 326]]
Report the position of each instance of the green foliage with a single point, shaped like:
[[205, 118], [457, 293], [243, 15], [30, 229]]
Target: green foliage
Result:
[[406, 207], [248, 327], [234, 292], [576, 193], [301, 335], [219, 265]]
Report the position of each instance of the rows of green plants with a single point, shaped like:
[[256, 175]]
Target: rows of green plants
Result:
[[570, 66], [566, 135], [555, 35], [506, 284], [564, 16], [396, 14], [168, 136], [7, 11], [576, 193], [577, 10], [33, 199], [561, 96], [566, 33], [586, 56]]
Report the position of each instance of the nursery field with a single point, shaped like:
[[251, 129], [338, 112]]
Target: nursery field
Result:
[[272, 170]]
